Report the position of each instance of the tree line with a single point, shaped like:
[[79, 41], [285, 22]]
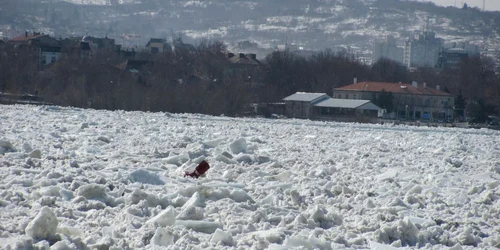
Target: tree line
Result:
[[199, 79]]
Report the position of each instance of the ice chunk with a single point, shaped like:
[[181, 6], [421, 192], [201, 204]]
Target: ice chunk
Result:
[[138, 195], [27, 147], [240, 195], [228, 174], [387, 175], [284, 176], [486, 197], [71, 232], [213, 143], [36, 154], [146, 177], [225, 159], [6, 146], [104, 243], [311, 243], [63, 245], [223, 237], [269, 200], [238, 146], [456, 247], [43, 226], [244, 158], [378, 246], [178, 159], [415, 190], [403, 230], [165, 218], [190, 212], [94, 192], [272, 235], [51, 191], [162, 238], [325, 219], [199, 226], [3, 203], [103, 139], [467, 237], [196, 200], [496, 169]]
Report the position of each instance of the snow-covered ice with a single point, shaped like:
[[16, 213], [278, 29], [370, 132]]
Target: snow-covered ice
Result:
[[87, 179]]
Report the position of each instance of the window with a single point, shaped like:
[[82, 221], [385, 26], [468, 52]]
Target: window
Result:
[[53, 59], [353, 96]]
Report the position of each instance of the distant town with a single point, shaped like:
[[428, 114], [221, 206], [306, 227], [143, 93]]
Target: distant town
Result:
[[425, 79]]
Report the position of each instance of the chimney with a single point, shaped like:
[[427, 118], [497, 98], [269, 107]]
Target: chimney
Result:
[[252, 56], [230, 55], [438, 87], [355, 80], [414, 84], [425, 85], [242, 55]]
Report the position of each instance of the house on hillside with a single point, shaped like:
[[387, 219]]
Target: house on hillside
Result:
[[47, 49], [97, 43], [300, 104], [243, 66], [157, 45], [403, 100], [134, 66], [76, 47]]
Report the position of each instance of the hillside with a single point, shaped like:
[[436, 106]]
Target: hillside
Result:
[[315, 24]]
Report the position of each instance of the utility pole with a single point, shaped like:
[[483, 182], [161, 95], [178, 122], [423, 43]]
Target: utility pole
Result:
[[484, 5]]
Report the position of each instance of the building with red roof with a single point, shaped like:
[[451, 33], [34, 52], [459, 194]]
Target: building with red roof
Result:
[[47, 49], [403, 100]]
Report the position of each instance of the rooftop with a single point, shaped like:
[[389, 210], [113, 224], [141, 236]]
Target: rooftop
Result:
[[399, 88], [305, 97], [341, 103], [25, 38], [247, 59]]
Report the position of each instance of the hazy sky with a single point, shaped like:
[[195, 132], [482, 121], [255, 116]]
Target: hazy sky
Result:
[[490, 4]]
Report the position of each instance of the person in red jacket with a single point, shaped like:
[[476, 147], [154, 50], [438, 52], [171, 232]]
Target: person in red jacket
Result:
[[199, 170]]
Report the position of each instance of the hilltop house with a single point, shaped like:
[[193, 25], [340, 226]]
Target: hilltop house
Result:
[[404, 100], [157, 45], [97, 43], [245, 66], [47, 49], [76, 47]]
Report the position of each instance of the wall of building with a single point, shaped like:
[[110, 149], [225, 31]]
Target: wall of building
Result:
[[410, 106], [296, 109]]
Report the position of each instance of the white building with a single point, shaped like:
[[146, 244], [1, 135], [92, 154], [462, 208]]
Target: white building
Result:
[[387, 49], [423, 50]]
